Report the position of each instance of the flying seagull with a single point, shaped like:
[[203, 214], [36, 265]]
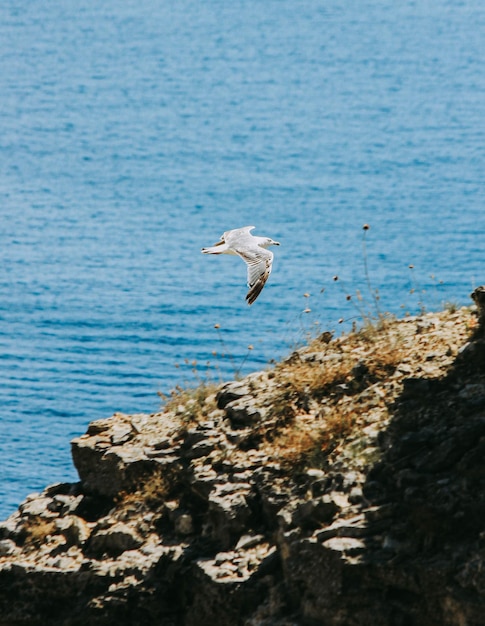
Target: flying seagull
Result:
[[252, 251]]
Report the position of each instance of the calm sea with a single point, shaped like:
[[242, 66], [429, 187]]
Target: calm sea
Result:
[[133, 133]]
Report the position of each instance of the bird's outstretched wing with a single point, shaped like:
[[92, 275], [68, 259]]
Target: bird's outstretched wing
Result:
[[259, 262], [238, 235]]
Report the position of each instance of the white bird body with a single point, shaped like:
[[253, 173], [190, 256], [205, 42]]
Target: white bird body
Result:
[[253, 252]]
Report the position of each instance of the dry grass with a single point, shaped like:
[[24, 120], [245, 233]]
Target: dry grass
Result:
[[308, 443], [296, 447], [192, 405], [329, 391], [317, 406], [151, 491], [36, 532], [347, 365]]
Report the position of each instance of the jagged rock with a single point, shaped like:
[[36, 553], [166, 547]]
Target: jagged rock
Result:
[[314, 513], [64, 504], [184, 524], [107, 471], [242, 414], [357, 526], [183, 521], [121, 434], [478, 296], [249, 541], [201, 449], [36, 507], [417, 387], [274, 497], [7, 547], [203, 482], [11, 527], [114, 540], [75, 530], [257, 514], [99, 426], [228, 512], [349, 546], [231, 392], [168, 457], [196, 435]]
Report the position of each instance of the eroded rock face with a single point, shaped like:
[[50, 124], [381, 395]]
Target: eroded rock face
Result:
[[204, 522]]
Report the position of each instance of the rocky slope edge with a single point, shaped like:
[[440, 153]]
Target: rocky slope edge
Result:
[[346, 486]]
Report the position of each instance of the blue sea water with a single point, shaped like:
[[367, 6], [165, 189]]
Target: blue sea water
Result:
[[132, 134]]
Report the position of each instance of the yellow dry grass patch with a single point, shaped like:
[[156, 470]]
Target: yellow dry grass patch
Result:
[[152, 490], [192, 405], [318, 404], [36, 532], [326, 393]]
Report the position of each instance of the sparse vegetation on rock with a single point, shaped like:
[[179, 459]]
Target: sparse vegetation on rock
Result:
[[343, 486]]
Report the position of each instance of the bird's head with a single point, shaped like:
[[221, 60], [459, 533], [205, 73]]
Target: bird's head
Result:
[[270, 242]]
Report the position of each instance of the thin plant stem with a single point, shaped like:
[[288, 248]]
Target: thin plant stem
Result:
[[366, 272]]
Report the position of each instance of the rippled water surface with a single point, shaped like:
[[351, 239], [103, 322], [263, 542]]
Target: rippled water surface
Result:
[[132, 134]]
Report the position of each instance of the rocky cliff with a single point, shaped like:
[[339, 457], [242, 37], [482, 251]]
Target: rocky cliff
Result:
[[345, 486]]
